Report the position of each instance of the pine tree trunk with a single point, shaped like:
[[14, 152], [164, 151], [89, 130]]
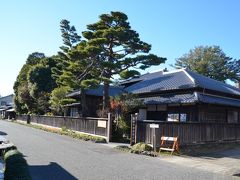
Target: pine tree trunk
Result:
[[106, 102], [83, 103]]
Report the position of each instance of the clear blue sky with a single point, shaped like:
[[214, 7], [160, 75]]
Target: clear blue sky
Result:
[[173, 27]]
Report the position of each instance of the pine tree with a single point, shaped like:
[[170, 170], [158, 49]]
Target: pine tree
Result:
[[119, 47]]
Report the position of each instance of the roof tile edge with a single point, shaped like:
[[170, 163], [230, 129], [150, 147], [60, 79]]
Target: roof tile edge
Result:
[[181, 70], [189, 76]]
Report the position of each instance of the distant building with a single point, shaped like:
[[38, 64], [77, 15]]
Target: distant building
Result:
[[7, 107]]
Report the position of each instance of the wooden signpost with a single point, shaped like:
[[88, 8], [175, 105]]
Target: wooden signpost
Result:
[[154, 126], [133, 128]]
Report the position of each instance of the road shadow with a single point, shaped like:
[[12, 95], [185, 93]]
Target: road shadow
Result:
[[230, 153], [51, 171], [2, 133], [237, 175], [216, 151]]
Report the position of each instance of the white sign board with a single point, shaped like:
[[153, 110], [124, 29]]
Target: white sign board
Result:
[[102, 124], [154, 125]]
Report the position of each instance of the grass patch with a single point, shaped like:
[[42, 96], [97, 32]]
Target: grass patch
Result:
[[141, 147], [144, 149], [123, 148], [66, 132]]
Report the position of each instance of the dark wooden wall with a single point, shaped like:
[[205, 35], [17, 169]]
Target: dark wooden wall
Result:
[[188, 133], [200, 113], [93, 105], [215, 113]]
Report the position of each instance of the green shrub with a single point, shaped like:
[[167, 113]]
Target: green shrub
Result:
[[64, 128], [15, 166], [140, 147], [99, 140]]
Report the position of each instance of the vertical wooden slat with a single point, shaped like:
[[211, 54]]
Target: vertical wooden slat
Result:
[[190, 132], [87, 125]]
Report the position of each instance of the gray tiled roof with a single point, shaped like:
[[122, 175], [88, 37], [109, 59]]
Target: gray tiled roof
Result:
[[166, 81], [113, 91], [208, 83], [171, 99], [205, 98], [143, 77], [191, 98], [181, 79]]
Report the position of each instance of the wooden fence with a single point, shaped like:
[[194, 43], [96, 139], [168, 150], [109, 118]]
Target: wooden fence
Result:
[[188, 132], [96, 126]]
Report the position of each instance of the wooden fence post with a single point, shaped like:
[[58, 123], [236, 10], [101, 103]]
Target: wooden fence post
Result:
[[109, 128], [28, 119]]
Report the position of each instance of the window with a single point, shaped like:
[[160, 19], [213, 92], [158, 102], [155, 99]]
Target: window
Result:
[[232, 116], [175, 117], [157, 115], [183, 117], [74, 112]]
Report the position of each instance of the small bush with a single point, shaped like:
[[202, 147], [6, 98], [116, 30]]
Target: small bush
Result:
[[140, 147], [15, 166], [64, 128], [100, 140]]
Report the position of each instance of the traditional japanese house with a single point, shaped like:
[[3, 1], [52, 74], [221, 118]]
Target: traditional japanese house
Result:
[[183, 103], [184, 96], [186, 104]]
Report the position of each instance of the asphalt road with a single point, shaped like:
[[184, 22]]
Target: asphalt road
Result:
[[52, 156]]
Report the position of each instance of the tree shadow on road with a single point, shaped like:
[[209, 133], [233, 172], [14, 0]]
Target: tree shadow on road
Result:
[[216, 151], [50, 172], [237, 175]]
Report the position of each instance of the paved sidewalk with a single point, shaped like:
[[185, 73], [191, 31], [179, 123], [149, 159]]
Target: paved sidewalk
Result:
[[225, 162]]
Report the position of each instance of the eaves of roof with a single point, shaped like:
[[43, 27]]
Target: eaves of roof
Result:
[[194, 97]]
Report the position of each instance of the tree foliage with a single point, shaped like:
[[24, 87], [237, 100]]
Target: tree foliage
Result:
[[74, 63], [209, 61], [58, 99], [22, 99], [108, 47], [34, 58], [34, 84], [119, 47], [122, 106]]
